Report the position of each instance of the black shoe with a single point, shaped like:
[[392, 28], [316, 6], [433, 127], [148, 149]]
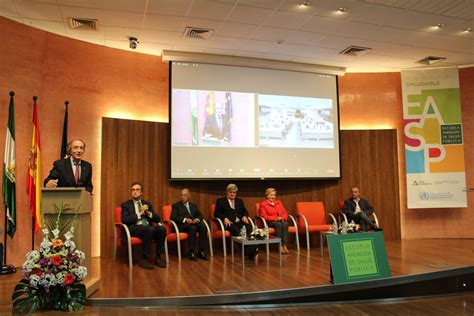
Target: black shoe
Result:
[[253, 254], [377, 229], [202, 255], [145, 264], [160, 262], [192, 256]]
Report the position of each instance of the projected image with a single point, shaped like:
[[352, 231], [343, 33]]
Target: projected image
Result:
[[285, 121], [213, 118]]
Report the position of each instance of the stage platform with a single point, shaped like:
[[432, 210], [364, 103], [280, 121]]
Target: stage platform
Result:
[[423, 267]]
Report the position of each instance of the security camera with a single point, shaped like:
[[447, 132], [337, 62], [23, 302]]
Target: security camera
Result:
[[133, 42]]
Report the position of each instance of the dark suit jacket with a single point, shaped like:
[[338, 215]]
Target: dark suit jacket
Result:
[[350, 206], [62, 171], [179, 212], [211, 127], [223, 209], [130, 218]]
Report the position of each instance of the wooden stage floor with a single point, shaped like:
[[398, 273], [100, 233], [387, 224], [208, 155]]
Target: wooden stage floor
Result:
[[220, 276]]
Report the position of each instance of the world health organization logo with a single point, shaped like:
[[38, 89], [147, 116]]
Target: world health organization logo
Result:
[[424, 196]]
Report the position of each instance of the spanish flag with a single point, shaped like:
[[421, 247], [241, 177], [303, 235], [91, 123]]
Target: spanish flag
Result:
[[33, 177]]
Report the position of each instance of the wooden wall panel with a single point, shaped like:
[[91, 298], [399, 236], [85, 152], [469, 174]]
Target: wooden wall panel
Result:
[[139, 151]]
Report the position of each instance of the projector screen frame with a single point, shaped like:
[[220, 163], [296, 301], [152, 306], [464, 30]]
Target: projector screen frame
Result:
[[239, 179]]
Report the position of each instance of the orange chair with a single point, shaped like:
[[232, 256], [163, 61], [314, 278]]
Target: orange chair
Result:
[[218, 229], [120, 231], [312, 219], [344, 216], [131, 241], [262, 223], [172, 231]]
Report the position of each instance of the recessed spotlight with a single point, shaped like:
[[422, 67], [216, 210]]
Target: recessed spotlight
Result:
[[440, 25], [342, 9], [304, 4], [468, 30]]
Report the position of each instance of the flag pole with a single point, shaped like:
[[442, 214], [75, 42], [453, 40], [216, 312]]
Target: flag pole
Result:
[[6, 268], [33, 224]]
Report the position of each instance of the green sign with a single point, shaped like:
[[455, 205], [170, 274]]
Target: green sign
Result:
[[451, 134], [358, 257]]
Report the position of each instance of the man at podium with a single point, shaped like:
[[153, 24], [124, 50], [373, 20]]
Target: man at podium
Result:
[[72, 171]]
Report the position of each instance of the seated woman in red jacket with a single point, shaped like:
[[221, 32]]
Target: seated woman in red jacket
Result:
[[276, 216]]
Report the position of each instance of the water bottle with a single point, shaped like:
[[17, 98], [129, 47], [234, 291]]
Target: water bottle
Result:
[[243, 232], [334, 228]]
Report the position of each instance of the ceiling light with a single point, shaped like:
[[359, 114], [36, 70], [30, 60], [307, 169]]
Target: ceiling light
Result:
[[304, 4], [440, 25], [342, 9], [468, 30]]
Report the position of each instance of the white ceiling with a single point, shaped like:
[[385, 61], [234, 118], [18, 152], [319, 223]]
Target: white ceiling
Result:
[[400, 32]]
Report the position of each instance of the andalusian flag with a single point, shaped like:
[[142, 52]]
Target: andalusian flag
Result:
[[33, 177], [9, 171]]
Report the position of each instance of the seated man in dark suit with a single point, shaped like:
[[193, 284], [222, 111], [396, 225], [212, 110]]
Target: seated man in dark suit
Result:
[[71, 171], [189, 220], [232, 212], [138, 215], [358, 210]]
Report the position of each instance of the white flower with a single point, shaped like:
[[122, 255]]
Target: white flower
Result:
[[72, 229], [81, 272], [46, 246], [80, 254], [70, 244], [33, 255], [68, 235], [34, 279], [27, 266], [56, 233], [45, 232]]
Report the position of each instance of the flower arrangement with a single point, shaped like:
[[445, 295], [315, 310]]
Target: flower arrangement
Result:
[[52, 275], [351, 227], [259, 234]]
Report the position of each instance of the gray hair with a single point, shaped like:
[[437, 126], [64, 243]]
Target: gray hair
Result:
[[232, 187]]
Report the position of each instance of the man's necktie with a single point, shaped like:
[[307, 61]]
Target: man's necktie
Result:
[[232, 204], [189, 210], [77, 173], [143, 217]]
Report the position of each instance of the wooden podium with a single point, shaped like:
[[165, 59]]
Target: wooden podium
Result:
[[77, 208]]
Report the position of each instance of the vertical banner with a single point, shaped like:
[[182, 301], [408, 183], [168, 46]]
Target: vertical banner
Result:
[[434, 147]]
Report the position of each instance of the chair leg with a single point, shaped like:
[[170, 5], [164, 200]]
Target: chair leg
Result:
[[307, 240], [178, 243], [210, 246], [223, 245], [130, 256], [297, 242]]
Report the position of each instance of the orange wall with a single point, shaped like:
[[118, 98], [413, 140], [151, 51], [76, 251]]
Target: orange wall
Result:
[[101, 81], [97, 81]]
